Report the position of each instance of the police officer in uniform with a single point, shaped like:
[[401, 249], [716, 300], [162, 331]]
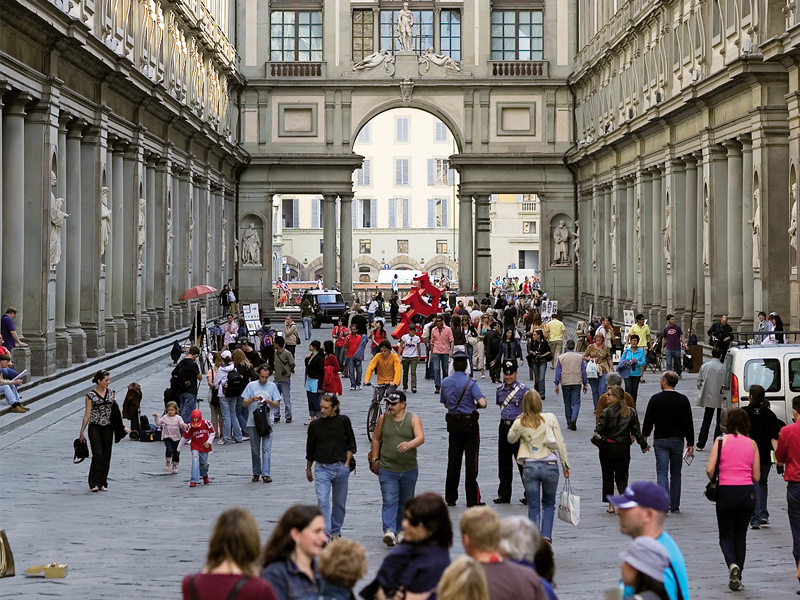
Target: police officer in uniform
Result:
[[509, 399], [462, 397]]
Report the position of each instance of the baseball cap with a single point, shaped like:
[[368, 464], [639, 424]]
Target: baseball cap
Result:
[[647, 556], [509, 366], [642, 493], [197, 418], [226, 354], [460, 354]]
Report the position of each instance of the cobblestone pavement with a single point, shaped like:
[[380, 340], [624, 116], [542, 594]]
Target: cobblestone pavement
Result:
[[140, 538]]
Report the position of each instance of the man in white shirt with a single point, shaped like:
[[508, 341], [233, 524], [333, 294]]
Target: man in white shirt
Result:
[[607, 331], [409, 355], [372, 309], [395, 284]]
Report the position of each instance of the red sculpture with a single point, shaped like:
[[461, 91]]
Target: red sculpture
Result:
[[417, 303]]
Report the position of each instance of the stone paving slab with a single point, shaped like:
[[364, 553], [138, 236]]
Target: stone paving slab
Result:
[[140, 538]]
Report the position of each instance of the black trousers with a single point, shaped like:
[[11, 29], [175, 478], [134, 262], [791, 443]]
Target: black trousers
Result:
[[632, 386], [706, 426], [506, 458], [462, 444], [268, 355], [735, 505], [171, 447], [101, 439], [615, 459]]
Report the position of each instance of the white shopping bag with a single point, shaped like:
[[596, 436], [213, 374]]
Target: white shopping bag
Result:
[[569, 506]]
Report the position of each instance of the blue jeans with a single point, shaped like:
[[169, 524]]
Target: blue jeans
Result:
[[539, 372], [669, 454], [761, 512], [188, 404], [11, 393], [330, 484], [470, 352], [260, 452], [241, 414], [572, 401], [362, 346], [541, 484], [396, 490], [307, 327], [673, 360], [354, 370], [229, 421], [598, 385], [441, 362], [285, 388], [199, 465]]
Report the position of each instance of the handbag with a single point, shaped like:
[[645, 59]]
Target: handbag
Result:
[[261, 419], [569, 505], [81, 451], [598, 440], [712, 487], [591, 370]]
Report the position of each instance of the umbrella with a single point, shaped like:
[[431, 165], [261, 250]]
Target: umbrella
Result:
[[197, 291]]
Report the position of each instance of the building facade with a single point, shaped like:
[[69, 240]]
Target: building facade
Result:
[[687, 155]]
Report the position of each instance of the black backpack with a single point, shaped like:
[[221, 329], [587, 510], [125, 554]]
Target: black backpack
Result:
[[181, 378], [234, 384]]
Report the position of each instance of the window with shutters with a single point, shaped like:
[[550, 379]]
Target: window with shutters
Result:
[[296, 36], [367, 213], [392, 213], [441, 132], [363, 135], [364, 174], [450, 33], [516, 35], [316, 214], [402, 172], [441, 246], [401, 130], [403, 211], [365, 246], [363, 30], [421, 31], [290, 213], [442, 168]]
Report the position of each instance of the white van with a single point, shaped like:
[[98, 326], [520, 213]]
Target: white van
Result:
[[774, 367]]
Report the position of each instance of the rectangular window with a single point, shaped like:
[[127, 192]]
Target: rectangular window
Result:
[[765, 372], [441, 212], [401, 130], [363, 135], [794, 375], [517, 35], [364, 174], [321, 251], [422, 30], [290, 213], [442, 167], [441, 246], [402, 175], [365, 246], [450, 33], [363, 30], [405, 217], [296, 36], [441, 132], [367, 213], [529, 227]]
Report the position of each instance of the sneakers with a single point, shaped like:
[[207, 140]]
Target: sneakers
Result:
[[389, 538], [174, 469], [573, 425], [735, 578], [256, 478], [352, 388], [18, 408], [310, 419], [413, 390], [358, 388], [483, 376], [755, 526], [192, 484], [288, 420], [245, 438], [267, 479], [437, 390], [278, 419], [400, 537], [765, 521], [502, 501], [206, 480], [699, 447], [405, 389]]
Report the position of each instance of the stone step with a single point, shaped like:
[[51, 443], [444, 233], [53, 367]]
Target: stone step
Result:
[[46, 394]]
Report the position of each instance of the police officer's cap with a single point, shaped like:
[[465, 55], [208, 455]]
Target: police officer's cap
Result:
[[510, 366], [460, 354]]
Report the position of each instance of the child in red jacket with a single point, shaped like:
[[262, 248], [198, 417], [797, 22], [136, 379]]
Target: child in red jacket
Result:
[[353, 364], [199, 436]]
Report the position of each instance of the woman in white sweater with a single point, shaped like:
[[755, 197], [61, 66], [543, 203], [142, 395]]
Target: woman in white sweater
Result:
[[541, 448]]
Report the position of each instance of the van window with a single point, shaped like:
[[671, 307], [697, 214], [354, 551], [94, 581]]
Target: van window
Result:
[[329, 298], [765, 372], [794, 375]]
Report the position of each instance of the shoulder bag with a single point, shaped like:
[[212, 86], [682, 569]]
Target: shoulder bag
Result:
[[712, 487], [624, 365]]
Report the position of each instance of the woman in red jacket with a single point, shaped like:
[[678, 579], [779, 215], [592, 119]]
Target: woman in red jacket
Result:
[[331, 383]]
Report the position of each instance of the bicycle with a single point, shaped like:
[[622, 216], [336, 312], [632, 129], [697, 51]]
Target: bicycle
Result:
[[379, 396]]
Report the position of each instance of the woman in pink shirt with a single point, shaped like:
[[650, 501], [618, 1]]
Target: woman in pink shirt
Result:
[[739, 467]]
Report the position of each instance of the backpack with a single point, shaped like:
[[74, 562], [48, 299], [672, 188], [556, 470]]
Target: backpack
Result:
[[180, 378], [234, 384], [268, 339]]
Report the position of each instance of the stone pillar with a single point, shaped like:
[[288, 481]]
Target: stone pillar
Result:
[[466, 244], [73, 248], [734, 232], [108, 257], [131, 274], [748, 305], [483, 254], [677, 240], [658, 312], [119, 222], [691, 251], [150, 249], [644, 265], [3, 89], [268, 296], [718, 240], [595, 223], [616, 242], [346, 246], [328, 241], [698, 257], [607, 273], [63, 340], [92, 316], [178, 217], [631, 250], [162, 293], [185, 205]]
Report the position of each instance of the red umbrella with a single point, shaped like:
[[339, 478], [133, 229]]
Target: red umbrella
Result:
[[197, 291]]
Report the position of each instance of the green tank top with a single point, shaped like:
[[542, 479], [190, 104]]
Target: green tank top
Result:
[[393, 434]]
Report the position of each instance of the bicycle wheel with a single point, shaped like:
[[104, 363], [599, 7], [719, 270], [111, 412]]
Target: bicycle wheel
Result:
[[372, 418]]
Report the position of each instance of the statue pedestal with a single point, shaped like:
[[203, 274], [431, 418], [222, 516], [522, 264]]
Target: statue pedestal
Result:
[[406, 64]]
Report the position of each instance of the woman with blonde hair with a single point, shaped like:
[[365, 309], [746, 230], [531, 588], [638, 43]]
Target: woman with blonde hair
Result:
[[230, 569], [618, 423], [541, 448], [464, 579]]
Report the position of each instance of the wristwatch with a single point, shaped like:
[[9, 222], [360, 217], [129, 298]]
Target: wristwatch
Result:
[[374, 460]]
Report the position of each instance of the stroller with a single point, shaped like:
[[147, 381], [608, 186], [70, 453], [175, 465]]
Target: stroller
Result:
[[654, 356]]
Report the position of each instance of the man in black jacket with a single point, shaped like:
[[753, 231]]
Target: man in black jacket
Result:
[[721, 335], [491, 345], [671, 414]]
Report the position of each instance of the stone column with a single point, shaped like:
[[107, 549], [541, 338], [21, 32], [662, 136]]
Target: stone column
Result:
[[328, 240], [93, 281], [186, 231], [268, 296], [119, 222], [677, 240], [691, 252], [594, 248], [73, 248], [131, 274], [63, 340], [631, 249], [483, 230], [734, 232], [346, 246], [658, 312], [607, 273], [108, 257], [150, 249], [645, 262], [466, 244], [3, 89], [616, 242], [178, 217], [162, 293], [718, 239], [748, 305], [698, 257]]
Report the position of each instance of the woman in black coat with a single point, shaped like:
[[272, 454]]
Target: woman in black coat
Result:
[[315, 373], [539, 354]]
